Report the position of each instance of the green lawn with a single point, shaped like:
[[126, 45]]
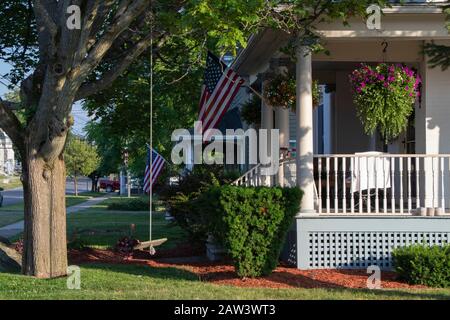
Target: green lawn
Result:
[[14, 213], [143, 282], [10, 217], [99, 227], [102, 228], [14, 182]]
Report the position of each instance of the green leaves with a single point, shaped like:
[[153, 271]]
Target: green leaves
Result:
[[385, 96], [81, 158], [439, 55], [421, 264], [253, 223]]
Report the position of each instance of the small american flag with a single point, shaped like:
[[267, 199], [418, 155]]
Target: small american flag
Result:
[[156, 168], [220, 86]]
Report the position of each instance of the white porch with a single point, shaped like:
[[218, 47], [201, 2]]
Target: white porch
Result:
[[415, 168], [370, 183], [358, 207]]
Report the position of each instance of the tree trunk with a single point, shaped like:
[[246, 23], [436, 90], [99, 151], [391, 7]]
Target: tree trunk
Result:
[[45, 244], [75, 185]]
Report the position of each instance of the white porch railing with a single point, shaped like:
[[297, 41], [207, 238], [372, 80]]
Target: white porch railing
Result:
[[371, 183], [251, 178]]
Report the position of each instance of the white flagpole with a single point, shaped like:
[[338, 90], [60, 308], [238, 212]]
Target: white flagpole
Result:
[[148, 145], [151, 249]]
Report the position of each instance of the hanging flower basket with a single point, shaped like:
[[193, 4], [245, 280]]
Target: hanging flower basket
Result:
[[280, 91], [384, 96]]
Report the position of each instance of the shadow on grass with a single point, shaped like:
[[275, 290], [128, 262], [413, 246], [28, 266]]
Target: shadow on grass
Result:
[[166, 273]]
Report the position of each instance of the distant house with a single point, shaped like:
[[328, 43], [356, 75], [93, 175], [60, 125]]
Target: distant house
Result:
[[361, 198], [7, 158]]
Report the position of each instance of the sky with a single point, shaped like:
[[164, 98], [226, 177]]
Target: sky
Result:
[[80, 116]]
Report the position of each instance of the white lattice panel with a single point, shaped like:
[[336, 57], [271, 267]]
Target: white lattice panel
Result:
[[361, 249], [330, 243]]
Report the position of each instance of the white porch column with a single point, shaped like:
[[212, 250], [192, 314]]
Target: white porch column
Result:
[[267, 123], [282, 123], [305, 142]]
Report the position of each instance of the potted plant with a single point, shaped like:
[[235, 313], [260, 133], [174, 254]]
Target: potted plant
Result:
[[384, 96], [280, 91], [251, 111]]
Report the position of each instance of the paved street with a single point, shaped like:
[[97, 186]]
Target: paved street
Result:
[[14, 196]]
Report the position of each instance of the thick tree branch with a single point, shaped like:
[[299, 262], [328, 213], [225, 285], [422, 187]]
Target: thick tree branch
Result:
[[48, 23], [120, 24], [11, 125], [91, 12], [46, 27], [109, 77]]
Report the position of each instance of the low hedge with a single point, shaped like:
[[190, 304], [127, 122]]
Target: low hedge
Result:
[[425, 265], [184, 202], [130, 205], [252, 224]]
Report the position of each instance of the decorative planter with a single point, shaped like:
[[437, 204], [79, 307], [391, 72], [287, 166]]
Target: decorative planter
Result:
[[214, 251], [384, 96], [280, 91]]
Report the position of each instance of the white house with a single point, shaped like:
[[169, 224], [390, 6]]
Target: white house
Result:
[[358, 206], [7, 159]]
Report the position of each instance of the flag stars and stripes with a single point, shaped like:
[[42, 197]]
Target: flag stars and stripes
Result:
[[220, 87], [153, 170]]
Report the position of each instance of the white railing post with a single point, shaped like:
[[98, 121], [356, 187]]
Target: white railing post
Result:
[[442, 184], [336, 183], [319, 187], [369, 205], [401, 183], [352, 186], [344, 185], [327, 172], [377, 200], [384, 187], [360, 187], [417, 182], [409, 184], [392, 184]]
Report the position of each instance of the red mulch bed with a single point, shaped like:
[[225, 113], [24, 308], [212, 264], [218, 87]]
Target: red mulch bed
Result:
[[220, 273]]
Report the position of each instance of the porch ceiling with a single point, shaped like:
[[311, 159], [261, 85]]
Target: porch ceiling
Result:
[[261, 48], [411, 23]]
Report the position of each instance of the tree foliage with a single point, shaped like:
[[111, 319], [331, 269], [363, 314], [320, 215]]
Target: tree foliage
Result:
[[54, 66], [121, 112], [439, 55], [81, 157]]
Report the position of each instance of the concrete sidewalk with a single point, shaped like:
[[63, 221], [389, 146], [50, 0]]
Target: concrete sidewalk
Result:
[[16, 228]]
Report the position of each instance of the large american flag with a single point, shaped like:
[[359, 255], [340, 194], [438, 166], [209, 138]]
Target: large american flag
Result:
[[156, 167], [220, 86]]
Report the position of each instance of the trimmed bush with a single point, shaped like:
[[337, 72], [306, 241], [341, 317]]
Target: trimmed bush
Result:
[[184, 202], [130, 205], [252, 223], [420, 264]]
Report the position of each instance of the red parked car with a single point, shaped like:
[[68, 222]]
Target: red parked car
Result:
[[109, 185]]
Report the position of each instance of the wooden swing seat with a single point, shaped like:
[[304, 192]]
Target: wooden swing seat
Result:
[[148, 244]]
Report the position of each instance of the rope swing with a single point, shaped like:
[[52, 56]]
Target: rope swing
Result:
[[151, 244]]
